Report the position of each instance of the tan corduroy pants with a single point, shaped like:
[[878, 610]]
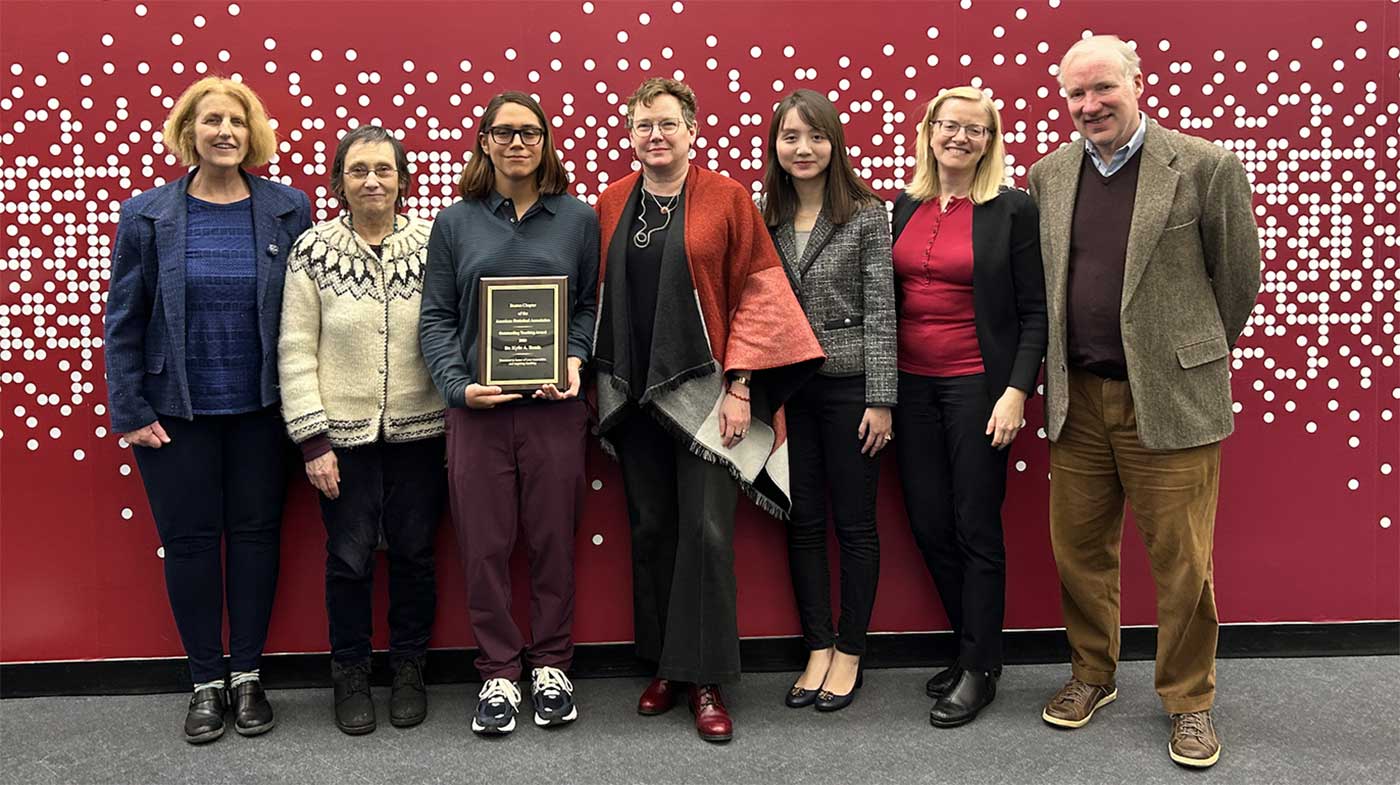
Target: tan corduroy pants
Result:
[[1096, 465]]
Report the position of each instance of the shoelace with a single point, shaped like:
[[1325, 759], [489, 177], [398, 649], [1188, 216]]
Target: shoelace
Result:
[[706, 696], [500, 689], [549, 680], [1193, 724], [356, 680], [1073, 692]]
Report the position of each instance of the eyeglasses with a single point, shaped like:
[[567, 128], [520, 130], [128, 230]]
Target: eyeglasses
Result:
[[383, 172], [951, 128], [530, 135], [643, 128]]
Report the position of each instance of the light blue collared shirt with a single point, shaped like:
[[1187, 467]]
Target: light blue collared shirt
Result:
[[1124, 153]]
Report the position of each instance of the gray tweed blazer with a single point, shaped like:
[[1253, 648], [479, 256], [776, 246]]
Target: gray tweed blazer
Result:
[[845, 282], [1189, 284]]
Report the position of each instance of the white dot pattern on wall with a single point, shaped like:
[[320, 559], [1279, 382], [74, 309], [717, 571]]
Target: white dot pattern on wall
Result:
[[1305, 112]]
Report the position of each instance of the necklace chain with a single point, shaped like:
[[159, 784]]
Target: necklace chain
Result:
[[642, 238]]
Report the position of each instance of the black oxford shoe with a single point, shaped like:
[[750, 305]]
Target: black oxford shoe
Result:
[[205, 720], [252, 714], [973, 691]]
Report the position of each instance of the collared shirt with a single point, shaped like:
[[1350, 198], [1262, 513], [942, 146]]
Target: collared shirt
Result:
[[1123, 154], [476, 238], [933, 270]]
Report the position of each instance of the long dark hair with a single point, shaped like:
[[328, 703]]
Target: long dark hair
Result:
[[479, 176], [845, 193]]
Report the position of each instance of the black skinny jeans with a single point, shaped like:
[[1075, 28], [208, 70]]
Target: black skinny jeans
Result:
[[400, 487], [954, 483], [823, 420], [221, 481]]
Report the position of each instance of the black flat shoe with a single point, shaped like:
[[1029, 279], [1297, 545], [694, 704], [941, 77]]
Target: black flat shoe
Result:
[[252, 714], [205, 720], [800, 697], [973, 692], [830, 701], [942, 681]]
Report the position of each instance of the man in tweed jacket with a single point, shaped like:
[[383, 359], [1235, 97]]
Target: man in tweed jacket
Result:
[[1152, 267]]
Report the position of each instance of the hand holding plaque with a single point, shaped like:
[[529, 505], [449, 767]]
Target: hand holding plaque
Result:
[[522, 341]]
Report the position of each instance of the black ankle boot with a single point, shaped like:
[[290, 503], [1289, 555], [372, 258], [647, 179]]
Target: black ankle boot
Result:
[[354, 707], [973, 691], [408, 702], [252, 714], [942, 681], [205, 720]]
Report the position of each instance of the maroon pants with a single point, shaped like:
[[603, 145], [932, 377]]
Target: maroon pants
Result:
[[512, 468]]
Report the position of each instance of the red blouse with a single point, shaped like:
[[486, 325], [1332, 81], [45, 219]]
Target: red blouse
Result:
[[933, 267]]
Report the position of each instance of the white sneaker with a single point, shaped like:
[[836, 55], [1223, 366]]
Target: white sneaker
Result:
[[496, 707], [553, 696]]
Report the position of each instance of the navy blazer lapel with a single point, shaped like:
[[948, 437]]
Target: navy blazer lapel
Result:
[[171, 214], [816, 241], [269, 206]]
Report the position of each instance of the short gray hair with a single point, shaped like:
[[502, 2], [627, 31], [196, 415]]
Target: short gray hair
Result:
[[1109, 44]]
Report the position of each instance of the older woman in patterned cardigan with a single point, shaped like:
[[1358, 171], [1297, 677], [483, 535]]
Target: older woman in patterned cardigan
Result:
[[357, 398]]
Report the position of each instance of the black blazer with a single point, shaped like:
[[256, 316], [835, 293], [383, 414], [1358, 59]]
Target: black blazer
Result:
[[1008, 287]]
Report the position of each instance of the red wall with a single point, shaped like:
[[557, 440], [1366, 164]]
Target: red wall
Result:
[[1305, 92]]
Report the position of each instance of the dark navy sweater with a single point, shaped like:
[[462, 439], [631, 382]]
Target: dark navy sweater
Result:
[[223, 353]]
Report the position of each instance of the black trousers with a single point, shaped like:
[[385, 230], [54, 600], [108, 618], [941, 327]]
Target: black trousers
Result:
[[681, 509], [954, 483], [399, 487], [221, 481], [823, 420]]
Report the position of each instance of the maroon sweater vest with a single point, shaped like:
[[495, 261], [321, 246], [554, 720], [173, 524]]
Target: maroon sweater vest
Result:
[[1098, 251]]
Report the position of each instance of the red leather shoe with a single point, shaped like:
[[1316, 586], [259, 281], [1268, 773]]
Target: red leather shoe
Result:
[[712, 720], [659, 697]]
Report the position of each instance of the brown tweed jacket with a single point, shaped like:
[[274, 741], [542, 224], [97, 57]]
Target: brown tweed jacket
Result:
[[1191, 277]]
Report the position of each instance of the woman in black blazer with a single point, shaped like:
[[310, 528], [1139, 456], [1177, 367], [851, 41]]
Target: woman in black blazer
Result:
[[972, 333], [833, 236]]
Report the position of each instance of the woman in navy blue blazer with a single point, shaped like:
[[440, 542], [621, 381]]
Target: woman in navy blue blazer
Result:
[[191, 345]]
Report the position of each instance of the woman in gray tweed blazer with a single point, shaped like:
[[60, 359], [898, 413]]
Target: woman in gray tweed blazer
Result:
[[833, 236]]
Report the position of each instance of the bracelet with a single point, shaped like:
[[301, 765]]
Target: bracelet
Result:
[[743, 398]]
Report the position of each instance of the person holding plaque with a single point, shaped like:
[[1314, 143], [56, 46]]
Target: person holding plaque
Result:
[[357, 398], [191, 349], [514, 458], [833, 236], [700, 340]]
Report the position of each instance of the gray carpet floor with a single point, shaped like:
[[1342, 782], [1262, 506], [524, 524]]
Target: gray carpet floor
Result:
[[1281, 721]]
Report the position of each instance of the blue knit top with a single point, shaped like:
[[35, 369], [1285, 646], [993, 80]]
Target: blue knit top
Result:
[[223, 353]]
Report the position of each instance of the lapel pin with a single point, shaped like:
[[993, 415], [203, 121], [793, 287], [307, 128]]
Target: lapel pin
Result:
[[272, 249]]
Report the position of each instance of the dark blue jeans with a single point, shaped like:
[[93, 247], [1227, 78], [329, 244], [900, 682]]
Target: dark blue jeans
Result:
[[399, 487], [221, 481]]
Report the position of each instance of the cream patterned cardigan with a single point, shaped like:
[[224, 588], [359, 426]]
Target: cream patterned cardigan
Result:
[[348, 356]]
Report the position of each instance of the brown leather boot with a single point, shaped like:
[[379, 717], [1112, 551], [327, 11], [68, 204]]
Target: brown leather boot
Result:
[[1074, 705], [1194, 742]]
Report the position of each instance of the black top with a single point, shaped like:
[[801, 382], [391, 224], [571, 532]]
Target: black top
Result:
[[1098, 255], [644, 275], [558, 235], [1008, 287]]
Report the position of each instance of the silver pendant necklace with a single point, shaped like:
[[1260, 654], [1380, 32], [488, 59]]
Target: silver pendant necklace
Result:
[[643, 236]]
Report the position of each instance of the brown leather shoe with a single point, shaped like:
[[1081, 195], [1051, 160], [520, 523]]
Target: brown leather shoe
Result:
[[1074, 705], [1194, 742], [658, 698], [712, 720]]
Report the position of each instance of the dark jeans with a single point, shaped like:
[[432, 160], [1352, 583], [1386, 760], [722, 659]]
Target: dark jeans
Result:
[[518, 468], [401, 488], [823, 419], [954, 483], [681, 509], [220, 481]]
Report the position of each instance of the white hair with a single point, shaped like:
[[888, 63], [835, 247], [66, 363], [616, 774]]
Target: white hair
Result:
[[1104, 44]]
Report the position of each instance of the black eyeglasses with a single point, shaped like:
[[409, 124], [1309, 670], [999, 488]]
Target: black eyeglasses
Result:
[[530, 135]]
